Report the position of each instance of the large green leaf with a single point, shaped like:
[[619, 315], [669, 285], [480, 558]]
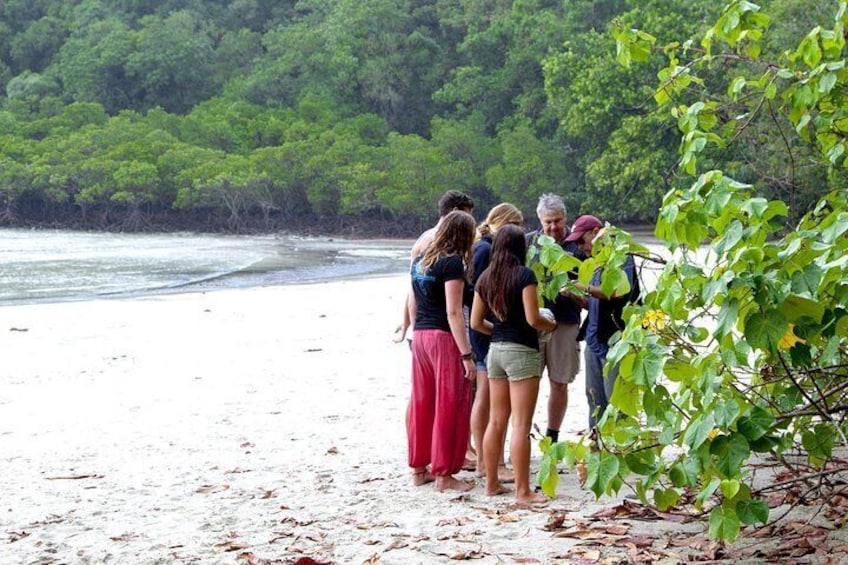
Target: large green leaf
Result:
[[726, 412], [724, 524], [627, 397], [730, 452], [752, 511], [647, 366], [755, 424], [698, 431], [666, 498], [684, 473], [764, 330], [819, 441], [795, 307], [602, 467]]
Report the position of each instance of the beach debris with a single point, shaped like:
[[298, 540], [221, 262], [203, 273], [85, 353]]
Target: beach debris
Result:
[[628, 509], [396, 543], [237, 471], [125, 537], [74, 477], [313, 349], [296, 522], [17, 536], [230, 545], [247, 445], [280, 535], [210, 489], [458, 521], [13, 329], [333, 451], [250, 559]]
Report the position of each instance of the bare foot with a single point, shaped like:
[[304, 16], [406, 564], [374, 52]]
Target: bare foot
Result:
[[421, 477], [470, 463], [531, 499], [497, 489], [450, 483], [581, 473]]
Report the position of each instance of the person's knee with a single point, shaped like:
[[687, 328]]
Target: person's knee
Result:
[[497, 423]]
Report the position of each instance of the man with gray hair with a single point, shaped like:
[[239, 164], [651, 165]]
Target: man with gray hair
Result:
[[561, 353]]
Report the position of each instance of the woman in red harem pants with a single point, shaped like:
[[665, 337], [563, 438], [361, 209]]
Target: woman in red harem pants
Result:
[[443, 367]]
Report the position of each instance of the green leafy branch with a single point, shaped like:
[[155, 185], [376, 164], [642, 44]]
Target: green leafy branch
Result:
[[741, 348]]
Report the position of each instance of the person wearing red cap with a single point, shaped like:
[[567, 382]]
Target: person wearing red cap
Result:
[[604, 319]]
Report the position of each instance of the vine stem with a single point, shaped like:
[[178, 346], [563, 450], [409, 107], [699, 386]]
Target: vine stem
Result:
[[801, 478]]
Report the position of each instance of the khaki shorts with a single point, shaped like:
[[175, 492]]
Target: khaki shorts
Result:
[[512, 361], [561, 354]]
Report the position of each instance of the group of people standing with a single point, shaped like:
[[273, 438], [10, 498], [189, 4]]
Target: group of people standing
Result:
[[477, 354]]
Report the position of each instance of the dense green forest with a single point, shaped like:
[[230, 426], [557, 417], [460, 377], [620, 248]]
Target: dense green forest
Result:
[[355, 115]]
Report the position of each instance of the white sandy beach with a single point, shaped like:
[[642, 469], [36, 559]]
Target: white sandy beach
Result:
[[244, 426]]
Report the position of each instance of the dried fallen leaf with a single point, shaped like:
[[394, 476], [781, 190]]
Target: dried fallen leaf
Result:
[[508, 518], [74, 477], [373, 560], [458, 521], [467, 555], [124, 537], [209, 489], [236, 471], [297, 522], [17, 536], [555, 522], [280, 535], [396, 544], [230, 545], [640, 541], [615, 529]]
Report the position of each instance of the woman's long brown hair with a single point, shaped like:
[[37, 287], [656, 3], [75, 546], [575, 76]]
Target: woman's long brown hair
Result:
[[500, 278], [455, 236]]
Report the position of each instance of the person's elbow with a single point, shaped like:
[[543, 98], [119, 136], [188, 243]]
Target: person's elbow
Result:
[[455, 313]]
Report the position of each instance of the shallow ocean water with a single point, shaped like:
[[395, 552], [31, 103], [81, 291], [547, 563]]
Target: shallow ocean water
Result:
[[60, 265]]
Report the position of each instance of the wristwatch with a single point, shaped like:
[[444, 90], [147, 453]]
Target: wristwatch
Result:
[[467, 356]]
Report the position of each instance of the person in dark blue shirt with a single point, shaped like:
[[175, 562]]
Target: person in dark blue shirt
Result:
[[501, 215]]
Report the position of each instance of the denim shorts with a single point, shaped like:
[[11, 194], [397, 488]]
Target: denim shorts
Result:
[[513, 361]]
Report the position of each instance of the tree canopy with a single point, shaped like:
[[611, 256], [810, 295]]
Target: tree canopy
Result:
[[256, 114]]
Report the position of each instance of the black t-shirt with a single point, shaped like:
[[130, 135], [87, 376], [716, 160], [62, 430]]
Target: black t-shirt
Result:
[[565, 310], [429, 289], [514, 328], [481, 254]]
